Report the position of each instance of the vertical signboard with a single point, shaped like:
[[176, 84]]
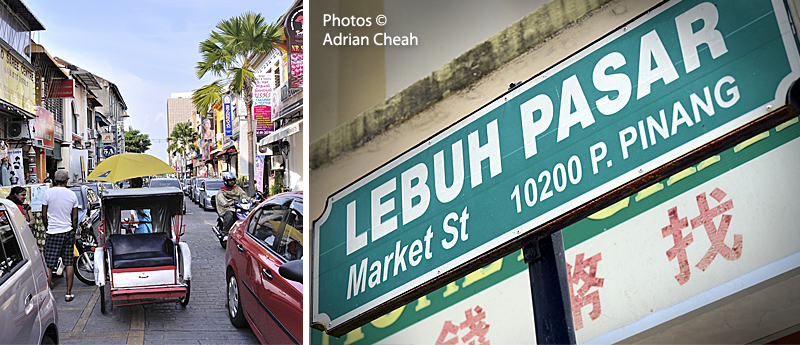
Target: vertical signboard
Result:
[[16, 82], [262, 102], [639, 101], [43, 129], [294, 36], [227, 115]]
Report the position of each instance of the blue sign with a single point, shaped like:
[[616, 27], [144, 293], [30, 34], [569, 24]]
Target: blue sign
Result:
[[228, 117], [109, 150]]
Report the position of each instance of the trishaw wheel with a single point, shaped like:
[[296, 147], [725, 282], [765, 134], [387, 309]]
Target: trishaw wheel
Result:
[[185, 299], [102, 299], [235, 303]]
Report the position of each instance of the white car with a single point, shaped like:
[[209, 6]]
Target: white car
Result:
[[28, 313]]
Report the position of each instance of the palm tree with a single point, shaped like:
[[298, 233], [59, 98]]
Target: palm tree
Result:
[[230, 53], [182, 140]]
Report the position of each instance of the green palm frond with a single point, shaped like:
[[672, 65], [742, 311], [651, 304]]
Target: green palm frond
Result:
[[207, 96]]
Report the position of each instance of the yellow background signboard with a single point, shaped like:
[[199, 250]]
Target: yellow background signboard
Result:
[[16, 82]]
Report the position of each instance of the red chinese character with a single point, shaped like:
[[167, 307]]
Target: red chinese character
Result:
[[477, 328], [448, 328], [679, 249], [716, 234], [580, 298]]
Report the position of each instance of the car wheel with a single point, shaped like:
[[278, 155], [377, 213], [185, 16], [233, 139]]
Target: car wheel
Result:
[[235, 312], [84, 267], [185, 299], [47, 340]]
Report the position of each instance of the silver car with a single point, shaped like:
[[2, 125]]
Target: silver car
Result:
[[27, 313], [196, 189], [208, 190]]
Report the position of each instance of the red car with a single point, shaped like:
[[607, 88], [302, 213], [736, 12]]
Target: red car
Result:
[[264, 270]]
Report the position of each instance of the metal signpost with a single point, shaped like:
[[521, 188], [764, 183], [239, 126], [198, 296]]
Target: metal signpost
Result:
[[674, 86]]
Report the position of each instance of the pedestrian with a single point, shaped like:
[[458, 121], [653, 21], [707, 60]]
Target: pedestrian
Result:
[[142, 216], [18, 196], [60, 218], [5, 176]]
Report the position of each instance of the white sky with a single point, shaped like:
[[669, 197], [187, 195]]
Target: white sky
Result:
[[149, 48]]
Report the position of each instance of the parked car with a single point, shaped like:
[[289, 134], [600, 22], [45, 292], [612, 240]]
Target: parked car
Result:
[[169, 182], [190, 188], [264, 270], [208, 190], [97, 185], [187, 182], [28, 314], [196, 189]]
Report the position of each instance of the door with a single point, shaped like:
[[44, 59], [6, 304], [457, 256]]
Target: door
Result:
[[267, 233], [285, 297], [19, 313]]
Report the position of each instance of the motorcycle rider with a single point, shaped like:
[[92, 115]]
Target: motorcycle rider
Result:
[[226, 196]]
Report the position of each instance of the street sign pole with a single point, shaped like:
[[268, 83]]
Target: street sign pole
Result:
[[552, 309]]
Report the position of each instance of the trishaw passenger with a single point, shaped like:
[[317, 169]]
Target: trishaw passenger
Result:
[[226, 196], [60, 218], [142, 216]]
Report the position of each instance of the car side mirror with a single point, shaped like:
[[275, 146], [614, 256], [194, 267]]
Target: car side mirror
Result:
[[95, 205], [292, 270]]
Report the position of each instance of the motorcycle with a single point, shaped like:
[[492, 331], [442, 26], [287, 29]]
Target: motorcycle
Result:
[[83, 252], [242, 209]]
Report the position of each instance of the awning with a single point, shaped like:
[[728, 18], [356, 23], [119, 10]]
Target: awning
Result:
[[56, 154], [282, 133], [42, 59], [101, 119], [19, 8]]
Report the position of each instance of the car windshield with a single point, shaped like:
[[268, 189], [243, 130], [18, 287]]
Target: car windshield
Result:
[[165, 183], [81, 201], [214, 185]]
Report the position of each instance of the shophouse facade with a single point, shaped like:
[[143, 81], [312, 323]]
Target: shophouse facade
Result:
[[637, 274], [278, 104], [18, 88]]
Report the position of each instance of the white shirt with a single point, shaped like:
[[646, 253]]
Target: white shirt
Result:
[[60, 201]]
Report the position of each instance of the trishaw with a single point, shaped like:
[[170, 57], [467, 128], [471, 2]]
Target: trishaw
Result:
[[140, 258]]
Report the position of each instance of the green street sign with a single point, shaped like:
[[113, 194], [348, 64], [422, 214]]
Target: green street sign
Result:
[[653, 91]]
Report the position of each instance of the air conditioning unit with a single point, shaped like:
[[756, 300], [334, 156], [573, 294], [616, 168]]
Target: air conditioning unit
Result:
[[17, 130], [276, 162], [39, 142]]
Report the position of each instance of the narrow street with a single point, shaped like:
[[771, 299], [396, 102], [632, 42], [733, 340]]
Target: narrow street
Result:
[[203, 321]]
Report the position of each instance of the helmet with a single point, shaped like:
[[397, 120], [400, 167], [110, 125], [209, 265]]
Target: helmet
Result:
[[226, 176]]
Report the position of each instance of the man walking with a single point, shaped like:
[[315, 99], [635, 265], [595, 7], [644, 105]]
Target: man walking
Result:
[[60, 218]]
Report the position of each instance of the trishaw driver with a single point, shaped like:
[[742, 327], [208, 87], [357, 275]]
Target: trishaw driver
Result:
[[226, 196]]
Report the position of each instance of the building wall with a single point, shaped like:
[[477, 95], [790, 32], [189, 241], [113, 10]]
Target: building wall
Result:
[[179, 109]]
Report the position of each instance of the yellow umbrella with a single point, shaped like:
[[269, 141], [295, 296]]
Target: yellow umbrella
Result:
[[129, 165]]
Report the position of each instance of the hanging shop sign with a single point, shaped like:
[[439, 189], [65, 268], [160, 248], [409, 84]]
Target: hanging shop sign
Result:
[[227, 117], [16, 82], [262, 102], [62, 88], [43, 128], [294, 37], [613, 115]]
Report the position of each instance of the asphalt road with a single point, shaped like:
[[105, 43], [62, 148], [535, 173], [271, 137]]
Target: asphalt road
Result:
[[203, 321]]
